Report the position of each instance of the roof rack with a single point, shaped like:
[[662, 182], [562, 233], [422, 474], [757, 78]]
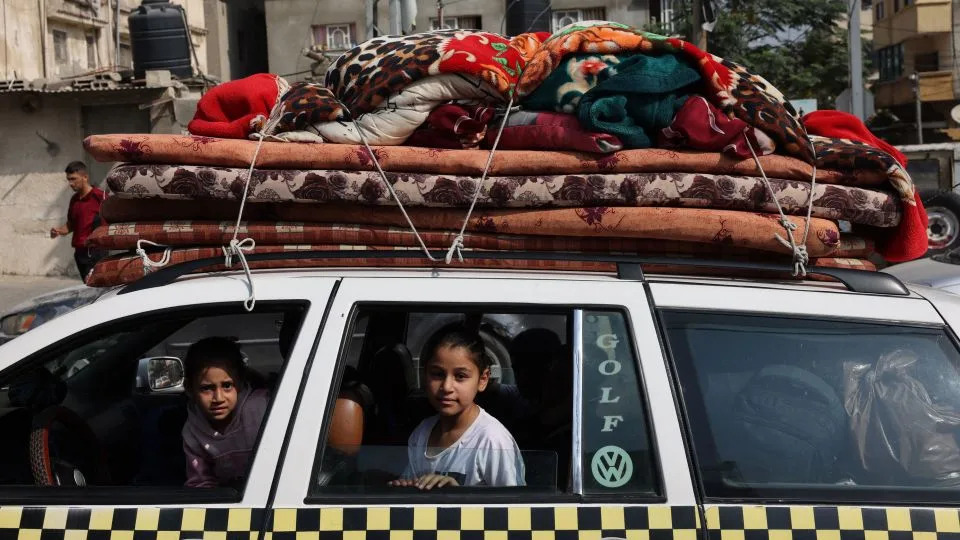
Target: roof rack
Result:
[[629, 267]]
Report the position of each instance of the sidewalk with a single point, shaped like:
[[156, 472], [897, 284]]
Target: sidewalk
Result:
[[15, 289]]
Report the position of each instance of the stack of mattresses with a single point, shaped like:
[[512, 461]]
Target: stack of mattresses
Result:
[[702, 197]]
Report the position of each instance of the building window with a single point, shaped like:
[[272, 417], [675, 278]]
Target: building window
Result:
[[467, 22], [890, 60], [91, 51], [878, 10], [663, 13], [60, 52], [336, 37], [926, 62], [567, 17]]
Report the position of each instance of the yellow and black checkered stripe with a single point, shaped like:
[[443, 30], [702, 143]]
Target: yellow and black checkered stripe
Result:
[[353, 523], [831, 523], [490, 523], [102, 523]]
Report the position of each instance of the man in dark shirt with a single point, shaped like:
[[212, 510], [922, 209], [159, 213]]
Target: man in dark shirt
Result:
[[83, 216]]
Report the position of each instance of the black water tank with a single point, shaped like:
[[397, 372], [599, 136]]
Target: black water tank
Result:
[[159, 39], [527, 16]]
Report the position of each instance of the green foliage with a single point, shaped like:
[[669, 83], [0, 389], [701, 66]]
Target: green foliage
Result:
[[800, 47]]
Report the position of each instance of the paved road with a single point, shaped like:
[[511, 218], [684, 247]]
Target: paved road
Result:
[[16, 289]]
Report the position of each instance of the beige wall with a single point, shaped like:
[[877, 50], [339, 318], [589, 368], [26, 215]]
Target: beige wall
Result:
[[924, 16], [22, 41], [33, 192]]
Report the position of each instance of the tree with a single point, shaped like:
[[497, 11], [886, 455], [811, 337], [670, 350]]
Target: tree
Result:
[[800, 47]]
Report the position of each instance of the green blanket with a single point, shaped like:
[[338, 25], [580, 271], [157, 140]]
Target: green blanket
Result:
[[630, 96]]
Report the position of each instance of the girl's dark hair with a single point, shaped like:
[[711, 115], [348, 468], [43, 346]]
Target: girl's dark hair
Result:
[[456, 336], [214, 351]]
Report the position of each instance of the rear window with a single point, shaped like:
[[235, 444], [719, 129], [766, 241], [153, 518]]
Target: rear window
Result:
[[794, 409]]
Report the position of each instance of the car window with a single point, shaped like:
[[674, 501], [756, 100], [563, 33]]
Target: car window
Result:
[[116, 406], [386, 422], [784, 408]]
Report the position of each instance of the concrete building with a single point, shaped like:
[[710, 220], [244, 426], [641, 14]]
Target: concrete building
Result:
[[55, 39], [61, 83], [327, 27], [917, 37]]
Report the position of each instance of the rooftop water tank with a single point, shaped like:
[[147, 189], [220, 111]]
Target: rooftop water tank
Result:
[[159, 37]]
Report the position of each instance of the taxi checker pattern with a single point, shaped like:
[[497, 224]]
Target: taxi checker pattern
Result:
[[831, 523], [144, 523], [490, 523], [353, 523], [498, 523]]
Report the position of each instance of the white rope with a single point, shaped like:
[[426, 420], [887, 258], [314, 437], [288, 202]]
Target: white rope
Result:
[[383, 177], [236, 248], [148, 263], [457, 245], [800, 255]]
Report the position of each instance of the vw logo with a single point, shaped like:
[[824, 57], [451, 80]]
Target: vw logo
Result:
[[611, 466]]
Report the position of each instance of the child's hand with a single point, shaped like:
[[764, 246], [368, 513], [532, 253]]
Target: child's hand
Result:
[[403, 482], [430, 481]]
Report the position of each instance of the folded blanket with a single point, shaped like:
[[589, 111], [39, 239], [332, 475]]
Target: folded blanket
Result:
[[699, 125], [365, 77], [861, 206], [726, 84], [531, 130], [235, 108], [629, 95], [453, 126], [841, 125], [121, 269], [394, 120], [208, 151]]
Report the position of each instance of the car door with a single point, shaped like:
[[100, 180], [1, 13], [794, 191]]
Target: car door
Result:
[[75, 384], [815, 412], [583, 350]]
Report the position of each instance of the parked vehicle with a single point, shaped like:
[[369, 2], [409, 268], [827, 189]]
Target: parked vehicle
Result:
[[40, 309], [935, 170]]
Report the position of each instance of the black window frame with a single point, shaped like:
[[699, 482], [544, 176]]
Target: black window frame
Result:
[[701, 440], [482, 495], [22, 495]]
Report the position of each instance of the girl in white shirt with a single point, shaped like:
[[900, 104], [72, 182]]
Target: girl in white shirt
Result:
[[461, 444]]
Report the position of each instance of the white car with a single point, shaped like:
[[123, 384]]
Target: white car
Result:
[[644, 406]]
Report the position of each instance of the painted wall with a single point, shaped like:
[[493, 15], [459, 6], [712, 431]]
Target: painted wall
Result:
[[33, 191]]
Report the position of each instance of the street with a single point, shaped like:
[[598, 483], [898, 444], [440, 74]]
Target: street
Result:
[[14, 289]]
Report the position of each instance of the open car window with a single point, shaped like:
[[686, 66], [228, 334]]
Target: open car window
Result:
[[384, 412], [107, 408]]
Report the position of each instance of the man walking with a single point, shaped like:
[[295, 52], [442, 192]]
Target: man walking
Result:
[[82, 217]]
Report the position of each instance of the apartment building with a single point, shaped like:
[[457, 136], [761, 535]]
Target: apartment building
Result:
[[56, 39], [329, 27], [917, 37]]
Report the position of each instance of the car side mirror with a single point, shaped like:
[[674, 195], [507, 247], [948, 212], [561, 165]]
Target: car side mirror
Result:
[[160, 374]]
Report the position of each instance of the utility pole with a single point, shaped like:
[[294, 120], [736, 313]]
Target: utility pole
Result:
[[915, 79], [439, 14], [697, 36], [394, 7], [856, 59]]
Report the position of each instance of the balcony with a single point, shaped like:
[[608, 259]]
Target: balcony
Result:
[[922, 17], [934, 86]]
